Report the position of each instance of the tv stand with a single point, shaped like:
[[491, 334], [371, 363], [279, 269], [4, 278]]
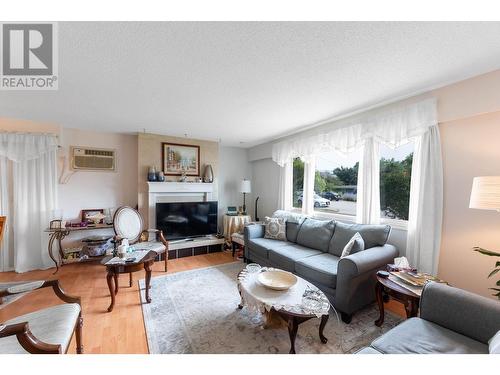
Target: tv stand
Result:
[[194, 246]]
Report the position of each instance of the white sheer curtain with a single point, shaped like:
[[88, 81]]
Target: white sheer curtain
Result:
[[308, 192], [392, 126], [34, 195], [368, 197], [426, 203], [285, 193]]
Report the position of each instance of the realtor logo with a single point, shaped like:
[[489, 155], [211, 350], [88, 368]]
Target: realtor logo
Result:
[[28, 56]]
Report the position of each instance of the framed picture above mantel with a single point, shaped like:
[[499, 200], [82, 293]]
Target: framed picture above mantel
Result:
[[179, 158]]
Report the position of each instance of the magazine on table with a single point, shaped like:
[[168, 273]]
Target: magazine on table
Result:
[[413, 281]]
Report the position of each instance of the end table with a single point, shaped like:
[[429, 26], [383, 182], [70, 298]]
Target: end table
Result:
[[386, 289]]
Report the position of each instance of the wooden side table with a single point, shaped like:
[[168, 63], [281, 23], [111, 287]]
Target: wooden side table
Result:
[[113, 270], [385, 289]]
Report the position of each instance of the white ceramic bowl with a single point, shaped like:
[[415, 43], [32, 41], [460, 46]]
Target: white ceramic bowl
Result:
[[277, 279]]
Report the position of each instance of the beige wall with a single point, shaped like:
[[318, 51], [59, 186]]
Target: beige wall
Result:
[[150, 152], [471, 147]]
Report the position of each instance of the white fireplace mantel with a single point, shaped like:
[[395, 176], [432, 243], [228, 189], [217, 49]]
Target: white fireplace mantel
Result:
[[180, 187], [158, 192]]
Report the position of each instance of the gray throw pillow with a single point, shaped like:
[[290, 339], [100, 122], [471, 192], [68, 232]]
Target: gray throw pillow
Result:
[[275, 228], [354, 245]]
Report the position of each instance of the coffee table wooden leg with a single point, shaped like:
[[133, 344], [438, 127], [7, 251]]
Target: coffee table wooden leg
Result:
[[109, 279], [147, 268], [130, 280], [116, 282], [293, 326], [324, 320], [379, 291]]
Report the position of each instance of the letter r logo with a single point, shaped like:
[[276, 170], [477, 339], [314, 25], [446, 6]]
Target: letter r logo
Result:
[[27, 49]]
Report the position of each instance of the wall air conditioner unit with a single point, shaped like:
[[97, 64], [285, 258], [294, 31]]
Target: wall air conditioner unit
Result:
[[92, 159]]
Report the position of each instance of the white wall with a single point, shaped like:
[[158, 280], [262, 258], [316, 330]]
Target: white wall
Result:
[[87, 190], [233, 167], [265, 174]]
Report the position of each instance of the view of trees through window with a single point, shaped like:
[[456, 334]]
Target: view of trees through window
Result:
[[336, 179], [395, 177], [335, 183], [298, 182]]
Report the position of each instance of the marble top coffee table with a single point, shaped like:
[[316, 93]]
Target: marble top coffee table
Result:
[[296, 305]]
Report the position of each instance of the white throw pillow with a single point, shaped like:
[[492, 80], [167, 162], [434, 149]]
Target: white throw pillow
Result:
[[494, 344], [355, 244], [275, 228]]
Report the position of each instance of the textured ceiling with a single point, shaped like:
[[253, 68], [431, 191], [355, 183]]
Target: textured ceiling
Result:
[[245, 82]]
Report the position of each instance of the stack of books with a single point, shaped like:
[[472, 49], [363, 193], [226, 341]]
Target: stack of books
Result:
[[413, 281]]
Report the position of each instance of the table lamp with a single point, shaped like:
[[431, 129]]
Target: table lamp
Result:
[[485, 194], [246, 187]]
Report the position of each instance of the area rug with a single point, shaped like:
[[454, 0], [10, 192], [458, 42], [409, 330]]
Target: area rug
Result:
[[196, 312]]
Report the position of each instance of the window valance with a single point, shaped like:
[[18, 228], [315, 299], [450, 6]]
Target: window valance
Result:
[[392, 127], [20, 147]]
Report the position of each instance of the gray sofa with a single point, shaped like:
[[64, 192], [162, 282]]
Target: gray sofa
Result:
[[312, 251], [451, 321]]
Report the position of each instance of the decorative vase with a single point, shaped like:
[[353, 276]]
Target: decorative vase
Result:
[[160, 176], [208, 174], [152, 174]]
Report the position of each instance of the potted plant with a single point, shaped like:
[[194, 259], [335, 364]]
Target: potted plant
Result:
[[495, 270]]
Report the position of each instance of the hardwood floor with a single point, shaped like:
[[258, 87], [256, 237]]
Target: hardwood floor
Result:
[[122, 330]]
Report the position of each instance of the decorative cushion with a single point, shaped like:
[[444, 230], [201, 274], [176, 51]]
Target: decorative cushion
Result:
[[293, 223], [316, 234], [53, 325], [354, 245], [494, 344], [275, 228], [373, 235]]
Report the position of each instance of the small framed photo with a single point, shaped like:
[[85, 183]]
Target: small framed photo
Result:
[[178, 159], [88, 216]]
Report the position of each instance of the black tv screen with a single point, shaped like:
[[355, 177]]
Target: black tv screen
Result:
[[180, 220]]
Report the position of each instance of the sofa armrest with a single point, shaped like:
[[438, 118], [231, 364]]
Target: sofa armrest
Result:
[[367, 260], [355, 277], [469, 314], [254, 231]]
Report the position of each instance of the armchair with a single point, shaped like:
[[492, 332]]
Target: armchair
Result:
[[128, 223], [46, 331]]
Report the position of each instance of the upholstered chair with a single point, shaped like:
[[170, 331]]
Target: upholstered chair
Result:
[[128, 224], [46, 331]]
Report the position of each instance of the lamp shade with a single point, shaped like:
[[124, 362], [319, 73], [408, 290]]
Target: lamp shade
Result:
[[246, 186], [485, 194]]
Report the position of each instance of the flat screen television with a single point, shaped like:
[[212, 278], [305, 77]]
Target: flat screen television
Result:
[[179, 220]]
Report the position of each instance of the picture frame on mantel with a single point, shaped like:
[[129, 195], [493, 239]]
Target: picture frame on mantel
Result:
[[178, 158]]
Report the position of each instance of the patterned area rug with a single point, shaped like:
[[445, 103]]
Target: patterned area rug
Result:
[[196, 312]]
